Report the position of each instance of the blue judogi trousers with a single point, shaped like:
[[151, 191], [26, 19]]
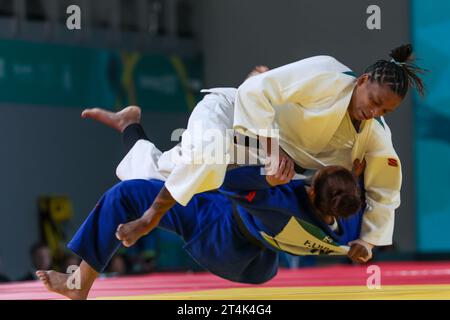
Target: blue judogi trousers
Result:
[[206, 225]]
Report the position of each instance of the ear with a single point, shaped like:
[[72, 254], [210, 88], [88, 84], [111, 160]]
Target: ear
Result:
[[311, 193], [362, 79]]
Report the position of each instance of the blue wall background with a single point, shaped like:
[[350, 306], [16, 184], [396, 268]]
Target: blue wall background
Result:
[[431, 37]]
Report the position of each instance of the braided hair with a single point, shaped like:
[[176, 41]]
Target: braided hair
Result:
[[399, 73]]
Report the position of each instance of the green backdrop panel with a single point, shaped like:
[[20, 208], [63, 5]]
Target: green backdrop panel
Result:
[[70, 76]]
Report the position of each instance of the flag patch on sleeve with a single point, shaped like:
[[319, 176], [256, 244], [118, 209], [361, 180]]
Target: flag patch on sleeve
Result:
[[392, 162], [250, 196]]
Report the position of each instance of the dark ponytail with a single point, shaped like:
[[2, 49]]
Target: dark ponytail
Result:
[[336, 192], [399, 73]]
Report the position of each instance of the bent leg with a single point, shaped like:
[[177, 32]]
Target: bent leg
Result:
[[196, 165], [95, 241], [204, 154]]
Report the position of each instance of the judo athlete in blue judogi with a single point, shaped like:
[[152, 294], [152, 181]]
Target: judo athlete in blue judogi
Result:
[[235, 233]]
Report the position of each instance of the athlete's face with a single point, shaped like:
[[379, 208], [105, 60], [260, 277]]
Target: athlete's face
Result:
[[371, 99]]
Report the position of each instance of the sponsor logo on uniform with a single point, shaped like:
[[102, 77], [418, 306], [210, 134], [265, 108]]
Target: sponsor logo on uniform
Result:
[[392, 162]]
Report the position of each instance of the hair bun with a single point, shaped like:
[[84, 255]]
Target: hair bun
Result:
[[402, 54], [345, 204]]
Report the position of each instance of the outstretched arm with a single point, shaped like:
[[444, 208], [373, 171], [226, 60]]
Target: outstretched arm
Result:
[[382, 182], [129, 233]]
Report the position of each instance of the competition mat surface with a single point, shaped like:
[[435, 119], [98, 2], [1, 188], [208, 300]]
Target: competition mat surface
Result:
[[405, 280]]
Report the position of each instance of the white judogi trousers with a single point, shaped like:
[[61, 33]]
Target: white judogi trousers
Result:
[[196, 164]]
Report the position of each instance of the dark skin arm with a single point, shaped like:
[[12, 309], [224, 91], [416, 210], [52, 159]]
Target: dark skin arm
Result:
[[283, 170], [359, 253], [162, 203]]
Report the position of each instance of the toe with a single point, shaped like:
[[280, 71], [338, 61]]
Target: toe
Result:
[[42, 276], [40, 273], [85, 112]]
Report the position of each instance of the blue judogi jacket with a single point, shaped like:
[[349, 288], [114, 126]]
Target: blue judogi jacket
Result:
[[279, 217]]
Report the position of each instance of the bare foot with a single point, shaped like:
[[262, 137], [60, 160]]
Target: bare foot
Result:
[[57, 282], [130, 232], [117, 120]]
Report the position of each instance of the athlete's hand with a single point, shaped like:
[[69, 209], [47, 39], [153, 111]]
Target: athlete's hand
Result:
[[283, 173], [360, 251], [358, 167]]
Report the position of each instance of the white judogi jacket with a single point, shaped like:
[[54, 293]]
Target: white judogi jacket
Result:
[[307, 101]]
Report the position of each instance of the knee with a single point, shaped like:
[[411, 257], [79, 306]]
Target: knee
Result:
[[125, 189]]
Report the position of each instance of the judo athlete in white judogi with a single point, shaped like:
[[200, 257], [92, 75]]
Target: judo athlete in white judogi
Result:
[[320, 113]]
